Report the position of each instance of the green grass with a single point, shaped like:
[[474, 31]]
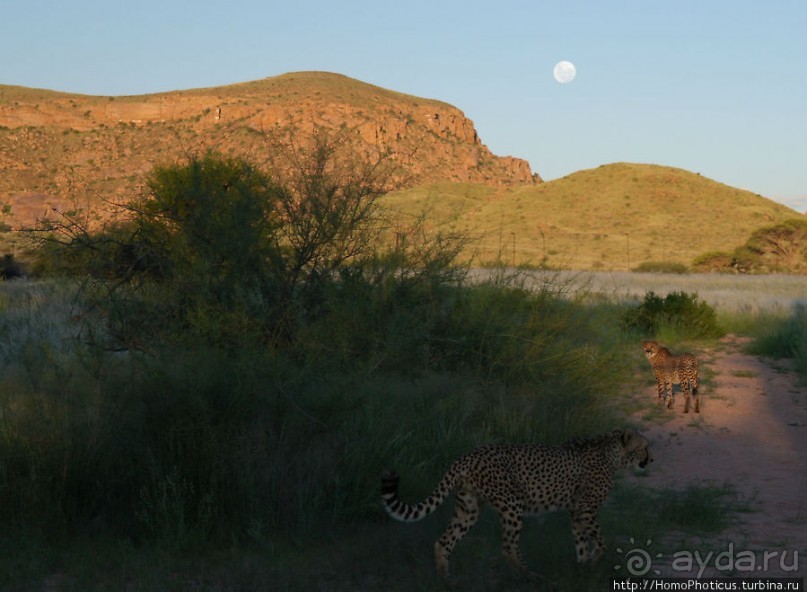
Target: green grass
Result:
[[184, 449], [375, 555], [784, 337], [202, 468]]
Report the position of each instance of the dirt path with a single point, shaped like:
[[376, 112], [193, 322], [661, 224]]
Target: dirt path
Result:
[[751, 433]]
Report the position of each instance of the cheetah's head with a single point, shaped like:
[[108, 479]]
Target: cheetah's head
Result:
[[650, 348], [635, 447]]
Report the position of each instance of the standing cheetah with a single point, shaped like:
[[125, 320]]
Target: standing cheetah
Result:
[[526, 479], [670, 370]]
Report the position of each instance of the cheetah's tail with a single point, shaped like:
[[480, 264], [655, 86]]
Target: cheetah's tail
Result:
[[411, 512]]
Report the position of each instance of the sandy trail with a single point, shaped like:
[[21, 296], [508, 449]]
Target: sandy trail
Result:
[[751, 433]]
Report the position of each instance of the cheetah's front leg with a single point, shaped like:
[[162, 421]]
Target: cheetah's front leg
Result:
[[669, 389], [661, 390], [586, 530]]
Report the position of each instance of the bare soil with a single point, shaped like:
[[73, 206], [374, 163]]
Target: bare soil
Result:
[[751, 433]]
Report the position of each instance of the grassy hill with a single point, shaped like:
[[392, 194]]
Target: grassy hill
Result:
[[616, 216]]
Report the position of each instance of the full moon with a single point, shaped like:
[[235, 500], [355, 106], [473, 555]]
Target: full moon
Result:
[[564, 72]]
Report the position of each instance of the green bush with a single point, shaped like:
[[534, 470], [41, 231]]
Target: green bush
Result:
[[786, 338], [685, 314], [714, 262], [661, 267]]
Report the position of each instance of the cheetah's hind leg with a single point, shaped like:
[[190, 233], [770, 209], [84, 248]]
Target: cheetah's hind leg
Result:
[[466, 513]]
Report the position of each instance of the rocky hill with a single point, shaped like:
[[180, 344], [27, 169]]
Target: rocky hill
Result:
[[55, 145]]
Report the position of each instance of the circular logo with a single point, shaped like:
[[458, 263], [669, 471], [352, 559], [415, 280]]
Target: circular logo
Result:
[[638, 560]]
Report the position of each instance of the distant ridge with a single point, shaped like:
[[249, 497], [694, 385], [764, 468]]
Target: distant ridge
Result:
[[54, 143]]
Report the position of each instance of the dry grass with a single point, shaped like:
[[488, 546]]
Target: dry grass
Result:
[[296, 86], [729, 294], [288, 87], [614, 217]]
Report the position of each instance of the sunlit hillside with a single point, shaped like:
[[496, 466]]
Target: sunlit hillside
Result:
[[616, 216], [62, 150]]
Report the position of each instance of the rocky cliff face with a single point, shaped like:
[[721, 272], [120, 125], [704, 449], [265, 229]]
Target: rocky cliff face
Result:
[[71, 146]]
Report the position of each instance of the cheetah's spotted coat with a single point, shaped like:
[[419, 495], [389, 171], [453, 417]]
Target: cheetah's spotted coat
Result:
[[519, 480], [670, 370]]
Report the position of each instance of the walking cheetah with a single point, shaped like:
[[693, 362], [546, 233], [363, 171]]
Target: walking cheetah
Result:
[[670, 370], [519, 480]]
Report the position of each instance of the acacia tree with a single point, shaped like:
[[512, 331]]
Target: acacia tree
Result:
[[328, 213], [221, 245], [782, 247]]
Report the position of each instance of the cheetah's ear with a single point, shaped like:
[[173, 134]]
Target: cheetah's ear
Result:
[[627, 435]]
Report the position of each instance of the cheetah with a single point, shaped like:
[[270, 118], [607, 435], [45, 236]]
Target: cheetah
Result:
[[520, 480], [670, 370]]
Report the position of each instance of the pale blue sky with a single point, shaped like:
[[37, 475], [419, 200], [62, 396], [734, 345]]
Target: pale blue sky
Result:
[[717, 87]]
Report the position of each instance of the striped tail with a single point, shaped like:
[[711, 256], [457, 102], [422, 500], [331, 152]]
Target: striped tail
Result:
[[406, 512]]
